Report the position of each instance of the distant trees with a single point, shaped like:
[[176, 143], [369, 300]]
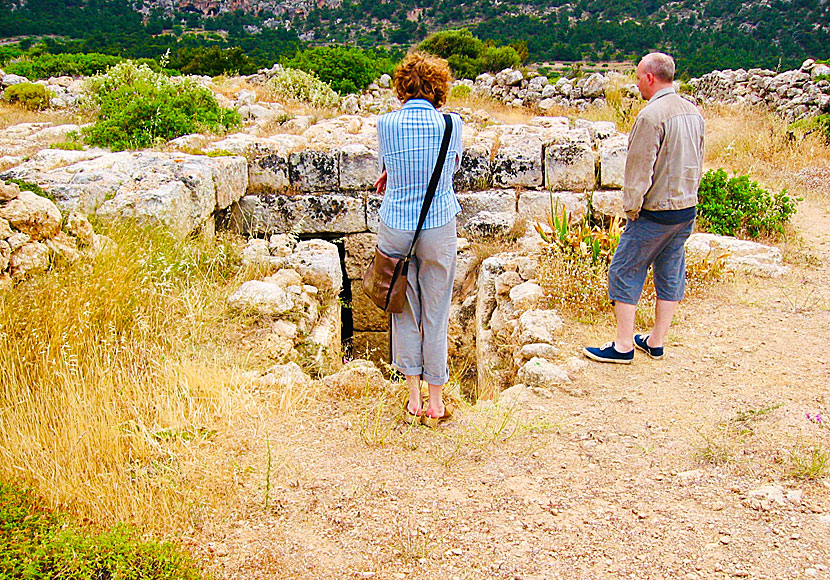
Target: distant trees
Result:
[[347, 70], [468, 55]]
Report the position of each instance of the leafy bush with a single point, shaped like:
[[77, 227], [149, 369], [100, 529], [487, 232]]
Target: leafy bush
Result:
[[460, 92], [346, 70], [28, 95], [141, 108], [823, 124], [212, 61], [54, 65], [469, 56], [40, 543], [739, 207], [297, 85]]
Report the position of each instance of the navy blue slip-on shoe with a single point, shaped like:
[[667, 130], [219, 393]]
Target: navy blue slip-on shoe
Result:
[[641, 342], [607, 353]]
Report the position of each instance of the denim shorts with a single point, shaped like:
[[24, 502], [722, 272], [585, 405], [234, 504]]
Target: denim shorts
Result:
[[645, 243]]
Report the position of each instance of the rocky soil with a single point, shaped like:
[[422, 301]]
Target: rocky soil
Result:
[[681, 468]]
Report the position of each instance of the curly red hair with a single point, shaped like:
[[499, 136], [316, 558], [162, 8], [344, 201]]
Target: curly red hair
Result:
[[423, 76]]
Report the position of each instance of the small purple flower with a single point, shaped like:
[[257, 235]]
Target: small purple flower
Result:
[[815, 418]]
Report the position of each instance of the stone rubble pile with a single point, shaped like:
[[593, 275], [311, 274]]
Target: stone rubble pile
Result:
[[515, 88], [793, 94], [33, 235], [299, 299]]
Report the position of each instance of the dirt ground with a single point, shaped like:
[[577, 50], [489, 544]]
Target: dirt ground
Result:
[[640, 471]]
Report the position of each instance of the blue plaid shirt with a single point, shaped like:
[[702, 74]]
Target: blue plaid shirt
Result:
[[408, 144]]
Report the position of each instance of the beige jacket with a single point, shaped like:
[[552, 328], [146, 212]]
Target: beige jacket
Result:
[[665, 156]]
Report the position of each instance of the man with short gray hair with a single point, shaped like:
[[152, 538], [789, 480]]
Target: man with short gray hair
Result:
[[662, 176]]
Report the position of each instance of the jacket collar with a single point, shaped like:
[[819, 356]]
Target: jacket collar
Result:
[[661, 93]]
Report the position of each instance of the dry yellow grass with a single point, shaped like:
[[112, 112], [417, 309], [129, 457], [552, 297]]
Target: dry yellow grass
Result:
[[13, 114], [763, 146], [116, 396]]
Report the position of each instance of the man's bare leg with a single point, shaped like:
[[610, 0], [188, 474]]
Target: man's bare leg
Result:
[[625, 326], [663, 314]]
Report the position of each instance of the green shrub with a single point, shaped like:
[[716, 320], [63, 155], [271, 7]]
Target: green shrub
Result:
[[140, 108], [28, 95], [54, 65], [460, 92], [212, 61], [37, 542], [297, 85], [346, 70], [823, 124], [469, 56], [737, 206]]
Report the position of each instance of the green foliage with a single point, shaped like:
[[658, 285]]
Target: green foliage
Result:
[[67, 146], [37, 542], [141, 108], [54, 65], [28, 95], [460, 92], [823, 124], [212, 61], [739, 207], [469, 56], [297, 85], [346, 70], [33, 187]]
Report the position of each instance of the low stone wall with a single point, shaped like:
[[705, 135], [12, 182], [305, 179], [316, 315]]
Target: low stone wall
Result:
[[793, 94]]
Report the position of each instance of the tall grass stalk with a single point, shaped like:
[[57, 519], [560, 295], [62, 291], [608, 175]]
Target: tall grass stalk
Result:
[[113, 401]]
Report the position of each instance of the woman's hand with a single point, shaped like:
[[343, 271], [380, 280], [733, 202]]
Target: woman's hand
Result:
[[380, 184]]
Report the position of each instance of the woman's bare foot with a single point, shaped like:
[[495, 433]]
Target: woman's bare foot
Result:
[[416, 402], [436, 409]]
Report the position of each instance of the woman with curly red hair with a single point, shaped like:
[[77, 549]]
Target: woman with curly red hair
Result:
[[408, 144]]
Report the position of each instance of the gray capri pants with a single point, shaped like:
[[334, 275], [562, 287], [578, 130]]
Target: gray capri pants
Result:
[[419, 333]]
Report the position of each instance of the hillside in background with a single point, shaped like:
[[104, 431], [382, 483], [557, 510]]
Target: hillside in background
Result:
[[702, 35]]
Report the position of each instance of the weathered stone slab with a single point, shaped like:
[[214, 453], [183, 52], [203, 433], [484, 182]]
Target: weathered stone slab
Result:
[[267, 159], [607, 205], [570, 166], [231, 179], [518, 161], [476, 168], [373, 202], [318, 262], [536, 205], [613, 153], [302, 214], [312, 170], [177, 192], [493, 200], [739, 255], [360, 248], [358, 167]]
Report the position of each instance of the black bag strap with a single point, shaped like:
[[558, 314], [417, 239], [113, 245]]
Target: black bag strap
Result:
[[433, 181]]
